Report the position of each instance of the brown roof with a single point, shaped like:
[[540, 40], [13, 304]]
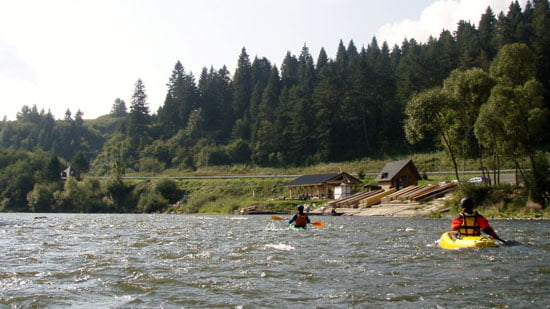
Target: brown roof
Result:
[[393, 168]]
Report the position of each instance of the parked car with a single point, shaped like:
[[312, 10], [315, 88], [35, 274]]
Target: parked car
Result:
[[479, 179]]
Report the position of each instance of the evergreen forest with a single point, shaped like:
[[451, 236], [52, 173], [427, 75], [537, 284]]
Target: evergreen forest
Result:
[[481, 92]]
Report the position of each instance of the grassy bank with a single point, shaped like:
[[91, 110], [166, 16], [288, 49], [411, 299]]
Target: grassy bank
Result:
[[424, 162], [229, 195], [501, 201], [225, 196]]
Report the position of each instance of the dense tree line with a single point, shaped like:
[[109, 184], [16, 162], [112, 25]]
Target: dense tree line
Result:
[[38, 130], [487, 116], [29, 181], [309, 110]]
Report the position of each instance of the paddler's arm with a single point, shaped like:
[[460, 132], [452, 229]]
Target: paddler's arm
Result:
[[486, 227], [456, 223], [293, 218]]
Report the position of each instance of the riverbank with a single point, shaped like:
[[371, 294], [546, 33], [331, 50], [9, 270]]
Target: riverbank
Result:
[[427, 211], [394, 210], [435, 209]]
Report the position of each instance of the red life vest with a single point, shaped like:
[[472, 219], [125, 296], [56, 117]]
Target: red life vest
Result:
[[469, 226], [301, 220]]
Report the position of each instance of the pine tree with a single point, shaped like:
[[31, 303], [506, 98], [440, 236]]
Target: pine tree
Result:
[[266, 141], [242, 87], [486, 34], [68, 116], [301, 143], [510, 26], [181, 100], [289, 71], [540, 42], [261, 71], [139, 117], [410, 72], [119, 108], [306, 70], [327, 97], [78, 120], [322, 60], [467, 43]]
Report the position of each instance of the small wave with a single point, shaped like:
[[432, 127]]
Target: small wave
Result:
[[433, 244], [271, 226], [237, 218], [335, 262], [279, 246]]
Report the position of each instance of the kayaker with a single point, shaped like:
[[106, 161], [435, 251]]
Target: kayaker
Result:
[[299, 219], [470, 222]]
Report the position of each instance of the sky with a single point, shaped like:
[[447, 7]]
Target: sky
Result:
[[84, 54]]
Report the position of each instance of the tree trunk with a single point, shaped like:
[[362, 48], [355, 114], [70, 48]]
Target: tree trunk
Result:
[[452, 155]]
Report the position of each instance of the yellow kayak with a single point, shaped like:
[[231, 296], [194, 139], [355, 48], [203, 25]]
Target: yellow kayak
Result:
[[449, 241]]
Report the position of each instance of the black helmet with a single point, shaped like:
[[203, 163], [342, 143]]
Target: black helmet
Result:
[[300, 207], [467, 203]]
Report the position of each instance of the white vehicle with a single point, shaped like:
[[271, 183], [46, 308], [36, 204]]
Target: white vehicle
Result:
[[479, 179]]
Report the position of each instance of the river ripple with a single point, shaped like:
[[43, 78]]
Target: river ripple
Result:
[[176, 261]]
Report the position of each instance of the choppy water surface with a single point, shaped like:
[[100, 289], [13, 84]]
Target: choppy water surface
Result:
[[174, 261]]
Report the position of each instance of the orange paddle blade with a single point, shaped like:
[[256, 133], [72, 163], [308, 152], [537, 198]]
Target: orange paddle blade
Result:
[[276, 218], [318, 224]]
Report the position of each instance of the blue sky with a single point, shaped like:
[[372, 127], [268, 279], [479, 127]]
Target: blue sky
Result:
[[83, 54]]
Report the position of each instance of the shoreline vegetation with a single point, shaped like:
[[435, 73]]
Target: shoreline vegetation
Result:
[[230, 194]]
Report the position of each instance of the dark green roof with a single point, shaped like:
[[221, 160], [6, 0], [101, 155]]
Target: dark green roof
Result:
[[321, 178], [311, 179]]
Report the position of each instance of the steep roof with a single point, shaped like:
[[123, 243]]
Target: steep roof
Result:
[[311, 179], [393, 168]]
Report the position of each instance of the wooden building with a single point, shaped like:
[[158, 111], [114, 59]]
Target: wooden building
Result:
[[322, 186], [398, 174], [69, 172]]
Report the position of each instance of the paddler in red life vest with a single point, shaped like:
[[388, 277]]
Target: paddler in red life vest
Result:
[[300, 219], [470, 222]]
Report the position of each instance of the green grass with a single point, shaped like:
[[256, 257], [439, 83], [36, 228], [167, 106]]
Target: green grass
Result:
[[222, 196], [424, 162]]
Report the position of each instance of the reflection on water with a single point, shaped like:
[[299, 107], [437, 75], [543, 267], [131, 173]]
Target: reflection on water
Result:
[[251, 261]]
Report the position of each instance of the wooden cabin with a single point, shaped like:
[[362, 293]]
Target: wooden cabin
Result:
[[398, 174], [322, 186]]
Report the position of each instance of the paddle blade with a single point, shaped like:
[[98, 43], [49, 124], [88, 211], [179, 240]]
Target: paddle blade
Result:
[[276, 218], [318, 224]]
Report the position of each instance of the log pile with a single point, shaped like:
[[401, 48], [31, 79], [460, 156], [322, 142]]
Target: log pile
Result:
[[375, 199], [419, 194], [410, 194], [353, 201]]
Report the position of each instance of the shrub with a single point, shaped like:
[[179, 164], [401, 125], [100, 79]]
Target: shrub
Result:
[[168, 188], [41, 197], [148, 198]]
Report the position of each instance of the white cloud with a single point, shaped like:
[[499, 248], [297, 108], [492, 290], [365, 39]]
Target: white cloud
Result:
[[440, 15], [12, 66]]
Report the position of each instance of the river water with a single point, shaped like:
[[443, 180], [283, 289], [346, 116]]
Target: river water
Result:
[[194, 261]]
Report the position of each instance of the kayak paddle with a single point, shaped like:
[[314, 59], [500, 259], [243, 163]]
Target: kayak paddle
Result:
[[316, 223], [500, 239]]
